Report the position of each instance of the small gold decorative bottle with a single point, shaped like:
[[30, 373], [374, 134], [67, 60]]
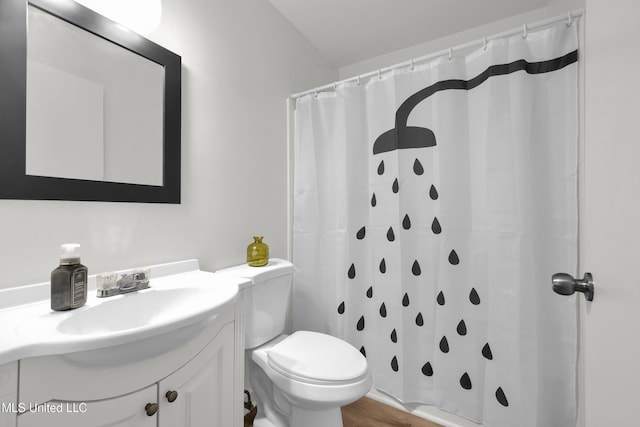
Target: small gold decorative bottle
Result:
[[257, 253]]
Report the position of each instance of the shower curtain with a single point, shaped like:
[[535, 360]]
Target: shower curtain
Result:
[[431, 207]]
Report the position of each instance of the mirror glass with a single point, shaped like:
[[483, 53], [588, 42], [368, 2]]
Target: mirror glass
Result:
[[94, 110]]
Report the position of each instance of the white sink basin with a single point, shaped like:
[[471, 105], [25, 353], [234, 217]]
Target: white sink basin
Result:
[[174, 308], [139, 310]]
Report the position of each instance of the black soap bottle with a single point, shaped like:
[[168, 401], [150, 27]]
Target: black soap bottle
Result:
[[69, 280]]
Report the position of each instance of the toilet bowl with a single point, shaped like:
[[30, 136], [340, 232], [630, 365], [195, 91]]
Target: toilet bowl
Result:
[[311, 375], [298, 380]]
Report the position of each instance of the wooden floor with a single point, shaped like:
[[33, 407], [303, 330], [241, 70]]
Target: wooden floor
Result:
[[371, 413]]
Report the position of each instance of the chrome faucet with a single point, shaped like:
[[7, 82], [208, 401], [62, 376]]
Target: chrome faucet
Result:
[[127, 282]]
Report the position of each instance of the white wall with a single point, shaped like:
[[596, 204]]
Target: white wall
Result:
[[555, 7], [241, 59], [610, 235]]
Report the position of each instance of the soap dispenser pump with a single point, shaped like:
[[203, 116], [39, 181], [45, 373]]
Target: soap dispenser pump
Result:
[[69, 280]]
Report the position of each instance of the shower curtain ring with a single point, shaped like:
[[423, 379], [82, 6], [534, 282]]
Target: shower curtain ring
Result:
[[569, 19], [484, 43], [379, 74], [358, 80], [411, 64], [450, 54], [524, 32]]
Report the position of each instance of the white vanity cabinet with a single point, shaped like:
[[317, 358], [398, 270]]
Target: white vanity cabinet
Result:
[[198, 383], [8, 394]]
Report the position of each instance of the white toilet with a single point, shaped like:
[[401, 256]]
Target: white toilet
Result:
[[302, 379]]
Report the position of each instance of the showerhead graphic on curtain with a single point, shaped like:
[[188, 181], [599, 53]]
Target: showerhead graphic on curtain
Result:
[[427, 228], [403, 136]]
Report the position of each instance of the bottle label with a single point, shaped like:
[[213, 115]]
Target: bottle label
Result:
[[78, 283]]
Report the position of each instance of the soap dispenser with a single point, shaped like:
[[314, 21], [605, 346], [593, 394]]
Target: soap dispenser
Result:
[[69, 280]]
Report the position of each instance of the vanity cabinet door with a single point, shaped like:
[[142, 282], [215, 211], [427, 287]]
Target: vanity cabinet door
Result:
[[123, 411], [201, 394]]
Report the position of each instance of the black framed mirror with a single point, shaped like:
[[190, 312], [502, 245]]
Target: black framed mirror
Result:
[[23, 178]]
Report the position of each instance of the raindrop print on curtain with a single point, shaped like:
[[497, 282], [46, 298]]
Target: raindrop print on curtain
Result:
[[431, 208]]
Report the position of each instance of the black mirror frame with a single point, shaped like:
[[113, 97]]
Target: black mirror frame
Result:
[[14, 183]]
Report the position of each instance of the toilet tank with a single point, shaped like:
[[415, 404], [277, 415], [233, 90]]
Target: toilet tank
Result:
[[266, 299]]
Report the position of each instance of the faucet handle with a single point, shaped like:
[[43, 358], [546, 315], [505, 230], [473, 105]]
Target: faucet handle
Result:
[[106, 281], [141, 275]]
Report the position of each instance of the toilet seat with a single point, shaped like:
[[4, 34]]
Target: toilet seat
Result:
[[316, 358]]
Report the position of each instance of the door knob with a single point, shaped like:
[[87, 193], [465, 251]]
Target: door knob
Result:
[[151, 409], [565, 284]]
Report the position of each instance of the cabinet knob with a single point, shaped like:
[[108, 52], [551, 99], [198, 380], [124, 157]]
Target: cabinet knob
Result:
[[171, 395], [151, 409]]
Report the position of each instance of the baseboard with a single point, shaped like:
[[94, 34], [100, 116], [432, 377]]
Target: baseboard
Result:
[[427, 412]]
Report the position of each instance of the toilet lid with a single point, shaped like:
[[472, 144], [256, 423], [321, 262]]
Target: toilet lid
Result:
[[312, 356]]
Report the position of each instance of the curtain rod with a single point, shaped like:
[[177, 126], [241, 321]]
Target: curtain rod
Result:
[[570, 17]]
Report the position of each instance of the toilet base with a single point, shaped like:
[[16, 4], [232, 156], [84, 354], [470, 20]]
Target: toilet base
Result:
[[308, 418], [276, 410], [263, 422]]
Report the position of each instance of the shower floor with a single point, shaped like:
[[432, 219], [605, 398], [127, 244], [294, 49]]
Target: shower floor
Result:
[[371, 413]]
